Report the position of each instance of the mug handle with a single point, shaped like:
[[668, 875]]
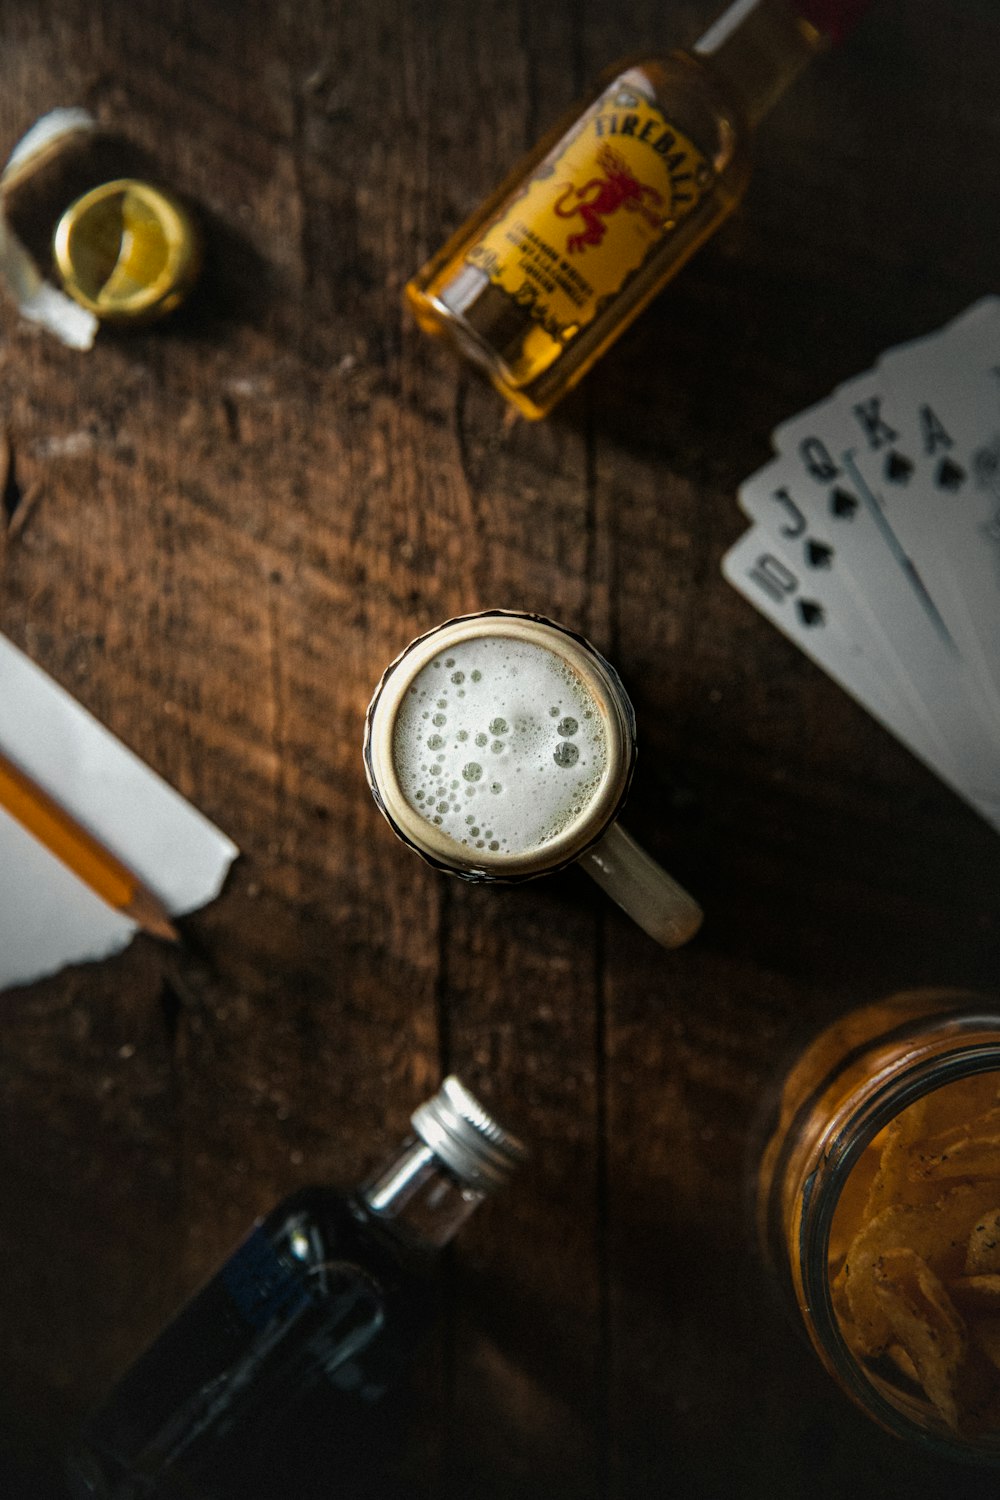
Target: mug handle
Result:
[[642, 888]]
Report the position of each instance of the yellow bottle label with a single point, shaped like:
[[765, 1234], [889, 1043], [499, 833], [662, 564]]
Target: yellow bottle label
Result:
[[591, 212]]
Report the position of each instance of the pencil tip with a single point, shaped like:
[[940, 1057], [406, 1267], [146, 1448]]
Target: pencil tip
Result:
[[151, 916], [162, 928]]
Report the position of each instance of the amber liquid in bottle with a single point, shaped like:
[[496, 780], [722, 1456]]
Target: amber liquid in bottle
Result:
[[609, 206]]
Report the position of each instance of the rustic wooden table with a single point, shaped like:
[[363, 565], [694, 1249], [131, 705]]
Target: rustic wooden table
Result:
[[237, 519]]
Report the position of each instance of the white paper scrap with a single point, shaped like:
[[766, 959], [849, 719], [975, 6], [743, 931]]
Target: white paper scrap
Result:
[[36, 298], [49, 918]]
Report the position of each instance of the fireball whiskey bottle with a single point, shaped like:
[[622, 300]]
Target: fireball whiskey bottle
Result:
[[613, 201], [318, 1308]]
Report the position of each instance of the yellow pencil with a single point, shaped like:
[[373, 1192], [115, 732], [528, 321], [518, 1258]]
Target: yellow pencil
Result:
[[80, 852]]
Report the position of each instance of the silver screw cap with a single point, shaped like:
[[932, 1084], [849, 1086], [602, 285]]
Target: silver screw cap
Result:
[[479, 1151]]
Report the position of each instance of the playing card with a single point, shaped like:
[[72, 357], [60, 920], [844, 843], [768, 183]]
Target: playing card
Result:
[[927, 448], [824, 483], [810, 545], [876, 546], [838, 641]]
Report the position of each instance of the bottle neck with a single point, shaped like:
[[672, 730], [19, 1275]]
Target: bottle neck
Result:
[[759, 48], [415, 1190]]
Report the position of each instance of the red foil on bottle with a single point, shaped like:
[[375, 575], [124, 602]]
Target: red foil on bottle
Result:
[[835, 18]]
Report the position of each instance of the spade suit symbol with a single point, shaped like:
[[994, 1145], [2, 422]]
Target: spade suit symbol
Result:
[[898, 468], [818, 554], [810, 613], [843, 505], [950, 475]]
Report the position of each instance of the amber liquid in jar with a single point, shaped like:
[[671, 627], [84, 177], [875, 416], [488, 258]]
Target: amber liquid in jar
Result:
[[879, 1208]]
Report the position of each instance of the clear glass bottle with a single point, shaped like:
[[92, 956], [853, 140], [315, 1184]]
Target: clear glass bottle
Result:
[[328, 1290], [613, 200], [850, 1184]]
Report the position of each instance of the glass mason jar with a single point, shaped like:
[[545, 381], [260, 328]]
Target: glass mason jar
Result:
[[878, 1208]]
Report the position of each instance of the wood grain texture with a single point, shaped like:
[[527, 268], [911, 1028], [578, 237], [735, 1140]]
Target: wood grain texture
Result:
[[230, 524]]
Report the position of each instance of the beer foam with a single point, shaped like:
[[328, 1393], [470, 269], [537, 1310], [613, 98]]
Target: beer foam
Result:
[[499, 743]]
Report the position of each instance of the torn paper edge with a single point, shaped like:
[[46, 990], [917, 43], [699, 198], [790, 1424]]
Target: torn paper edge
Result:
[[37, 299]]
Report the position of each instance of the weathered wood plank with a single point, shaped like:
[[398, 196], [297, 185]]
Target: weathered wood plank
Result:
[[238, 519]]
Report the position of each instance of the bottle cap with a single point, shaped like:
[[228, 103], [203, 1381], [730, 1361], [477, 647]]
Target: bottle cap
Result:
[[834, 18], [127, 251], [470, 1142]]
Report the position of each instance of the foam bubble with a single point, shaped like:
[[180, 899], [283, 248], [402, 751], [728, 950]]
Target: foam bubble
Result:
[[514, 694]]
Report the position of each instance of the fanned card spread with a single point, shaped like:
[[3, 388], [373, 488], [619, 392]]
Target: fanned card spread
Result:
[[49, 917], [875, 546]]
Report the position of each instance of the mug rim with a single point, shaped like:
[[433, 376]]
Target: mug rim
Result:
[[440, 849]]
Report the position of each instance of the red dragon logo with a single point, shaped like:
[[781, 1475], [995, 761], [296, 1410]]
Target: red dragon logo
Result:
[[616, 189]]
